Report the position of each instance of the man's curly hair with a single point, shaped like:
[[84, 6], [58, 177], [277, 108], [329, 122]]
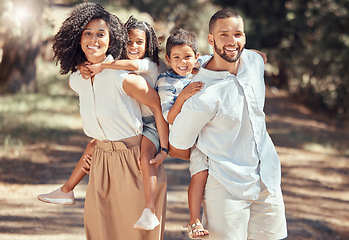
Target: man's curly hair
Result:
[[66, 44], [152, 47]]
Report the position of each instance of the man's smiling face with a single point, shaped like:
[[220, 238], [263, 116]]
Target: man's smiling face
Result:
[[228, 38]]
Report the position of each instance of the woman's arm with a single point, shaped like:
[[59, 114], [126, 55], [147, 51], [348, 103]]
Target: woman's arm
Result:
[[138, 88]]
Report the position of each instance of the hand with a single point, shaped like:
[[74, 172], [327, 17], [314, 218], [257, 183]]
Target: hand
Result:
[[264, 56], [191, 89], [158, 159], [94, 68], [85, 72], [139, 164], [87, 163]]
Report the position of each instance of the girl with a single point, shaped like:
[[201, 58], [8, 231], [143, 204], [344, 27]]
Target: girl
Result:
[[111, 115]]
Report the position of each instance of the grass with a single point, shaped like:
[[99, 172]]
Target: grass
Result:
[[50, 114]]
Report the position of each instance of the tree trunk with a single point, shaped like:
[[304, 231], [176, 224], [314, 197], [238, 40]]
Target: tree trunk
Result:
[[20, 51]]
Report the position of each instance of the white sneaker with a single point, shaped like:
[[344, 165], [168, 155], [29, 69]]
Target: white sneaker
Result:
[[148, 220], [58, 197]]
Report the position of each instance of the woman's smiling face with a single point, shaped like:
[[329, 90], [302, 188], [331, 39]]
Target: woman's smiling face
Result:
[[95, 40]]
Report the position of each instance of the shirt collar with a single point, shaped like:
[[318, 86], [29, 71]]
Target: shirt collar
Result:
[[109, 58], [222, 74]]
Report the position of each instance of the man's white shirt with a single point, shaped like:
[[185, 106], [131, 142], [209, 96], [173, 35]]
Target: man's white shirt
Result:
[[227, 123]]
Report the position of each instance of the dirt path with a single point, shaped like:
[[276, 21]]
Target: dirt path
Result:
[[315, 181]]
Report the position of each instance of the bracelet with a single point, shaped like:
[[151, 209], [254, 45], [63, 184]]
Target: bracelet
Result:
[[165, 150]]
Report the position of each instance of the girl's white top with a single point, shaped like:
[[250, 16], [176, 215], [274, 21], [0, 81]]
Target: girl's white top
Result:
[[107, 112], [149, 70]]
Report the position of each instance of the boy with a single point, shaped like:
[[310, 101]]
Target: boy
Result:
[[174, 88]]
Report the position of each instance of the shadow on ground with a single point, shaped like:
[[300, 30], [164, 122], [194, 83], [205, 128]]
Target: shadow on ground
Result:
[[315, 181]]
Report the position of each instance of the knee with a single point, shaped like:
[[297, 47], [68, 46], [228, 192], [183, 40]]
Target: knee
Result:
[[144, 158]]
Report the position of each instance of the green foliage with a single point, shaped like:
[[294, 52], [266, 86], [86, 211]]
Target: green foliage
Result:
[[173, 14], [307, 44], [306, 41]]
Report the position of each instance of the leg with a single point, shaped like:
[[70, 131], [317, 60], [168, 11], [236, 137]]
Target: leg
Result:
[[78, 174], [268, 221], [148, 220], [64, 194], [148, 151], [227, 217], [195, 195]]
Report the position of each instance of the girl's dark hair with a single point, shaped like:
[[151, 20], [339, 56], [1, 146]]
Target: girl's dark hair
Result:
[[66, 44], [152, 48], [181, 37]]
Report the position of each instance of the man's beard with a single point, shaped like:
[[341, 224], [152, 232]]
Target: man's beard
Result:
[[223, 55]]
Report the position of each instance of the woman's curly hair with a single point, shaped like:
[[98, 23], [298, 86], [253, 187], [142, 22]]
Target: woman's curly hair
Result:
[[66, 44], [152, 48]]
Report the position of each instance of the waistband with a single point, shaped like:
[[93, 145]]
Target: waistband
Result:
[[126, 143]]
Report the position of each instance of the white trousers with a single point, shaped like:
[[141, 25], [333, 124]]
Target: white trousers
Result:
[[230, 218]]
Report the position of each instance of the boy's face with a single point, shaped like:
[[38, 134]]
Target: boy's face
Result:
[[182, 59]]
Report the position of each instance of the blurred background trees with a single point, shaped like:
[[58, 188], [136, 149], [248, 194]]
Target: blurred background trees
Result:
[[21, 40], [306, 41]]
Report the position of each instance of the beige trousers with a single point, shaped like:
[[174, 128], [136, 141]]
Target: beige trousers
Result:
[[115, 196], [230, 218]]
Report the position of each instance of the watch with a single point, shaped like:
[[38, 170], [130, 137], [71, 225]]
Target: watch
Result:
[[165, 150]]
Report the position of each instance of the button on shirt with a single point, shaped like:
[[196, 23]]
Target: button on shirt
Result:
[[227, 122], [107, 112]]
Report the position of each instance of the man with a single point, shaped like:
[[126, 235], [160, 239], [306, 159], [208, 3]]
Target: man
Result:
[[243, 198]]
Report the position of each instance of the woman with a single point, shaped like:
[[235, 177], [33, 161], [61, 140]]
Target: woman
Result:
[[110, 111]]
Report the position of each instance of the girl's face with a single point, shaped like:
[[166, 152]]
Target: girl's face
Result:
[[136, 45], [95, 40]]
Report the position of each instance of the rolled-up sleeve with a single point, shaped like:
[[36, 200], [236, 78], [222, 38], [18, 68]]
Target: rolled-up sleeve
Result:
[[188, 125]]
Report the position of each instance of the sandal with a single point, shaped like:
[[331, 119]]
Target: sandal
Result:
[[195, 228]]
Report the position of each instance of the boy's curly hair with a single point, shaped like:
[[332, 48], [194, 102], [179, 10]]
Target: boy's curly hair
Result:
[[152, 48], [66, 43]]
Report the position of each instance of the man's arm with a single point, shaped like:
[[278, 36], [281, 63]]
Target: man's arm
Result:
[[186, 93], [187, 127], [179, 153]]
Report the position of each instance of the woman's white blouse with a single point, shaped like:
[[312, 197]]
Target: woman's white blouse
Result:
[[107, 112]]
